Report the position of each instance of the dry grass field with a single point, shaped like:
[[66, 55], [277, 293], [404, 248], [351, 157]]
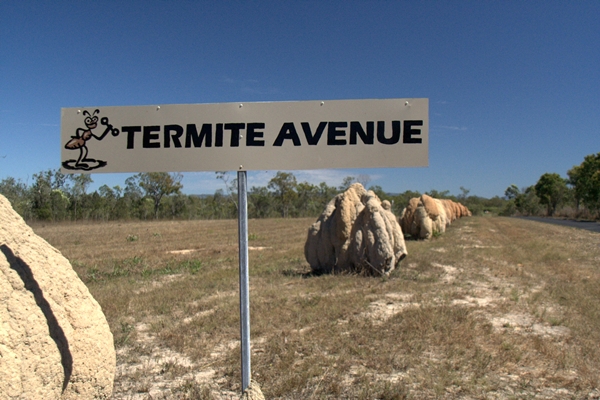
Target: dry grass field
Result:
[[496, 308]]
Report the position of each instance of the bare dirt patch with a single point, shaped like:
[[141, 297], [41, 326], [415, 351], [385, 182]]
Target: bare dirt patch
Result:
[[392, 304], [185, 251]]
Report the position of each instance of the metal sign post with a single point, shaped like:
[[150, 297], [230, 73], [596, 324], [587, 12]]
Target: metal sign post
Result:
[[244, 280]]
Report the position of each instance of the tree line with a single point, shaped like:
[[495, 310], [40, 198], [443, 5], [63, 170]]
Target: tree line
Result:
[[54, 196], [577, 196]]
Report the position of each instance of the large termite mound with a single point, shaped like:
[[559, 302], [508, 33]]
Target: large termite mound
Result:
[[55, 342], [356, 232], [425, 216]]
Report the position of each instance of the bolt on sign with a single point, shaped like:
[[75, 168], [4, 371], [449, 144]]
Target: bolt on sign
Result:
[[246, 136]]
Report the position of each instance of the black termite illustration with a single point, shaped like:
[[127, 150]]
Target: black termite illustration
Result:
[[79, 141]]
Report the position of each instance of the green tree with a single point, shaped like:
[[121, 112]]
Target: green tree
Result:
[[110, 203], [523, 201], [48, 198], [59, 201], [80, 183], [308, 200], [475, 204], [156, 185], [196, 207], [528, 203], [464, 193], [495, 203], [512, 192], [585, 180], [573, 181], [178, 205], [260, 202], [95, 207], [132, 197], [283, 185], [326, 193], [230, 186], [105, 202], [220, 206], [552, 190]]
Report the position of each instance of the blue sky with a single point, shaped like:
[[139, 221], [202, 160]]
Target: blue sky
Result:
[[513, 86]]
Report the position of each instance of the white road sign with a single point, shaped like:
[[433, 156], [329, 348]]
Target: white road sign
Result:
[[246, 136]]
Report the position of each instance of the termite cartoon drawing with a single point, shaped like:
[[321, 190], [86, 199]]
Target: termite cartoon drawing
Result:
[[79, 141]]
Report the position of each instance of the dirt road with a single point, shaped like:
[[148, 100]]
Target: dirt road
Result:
[[587, 225]]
